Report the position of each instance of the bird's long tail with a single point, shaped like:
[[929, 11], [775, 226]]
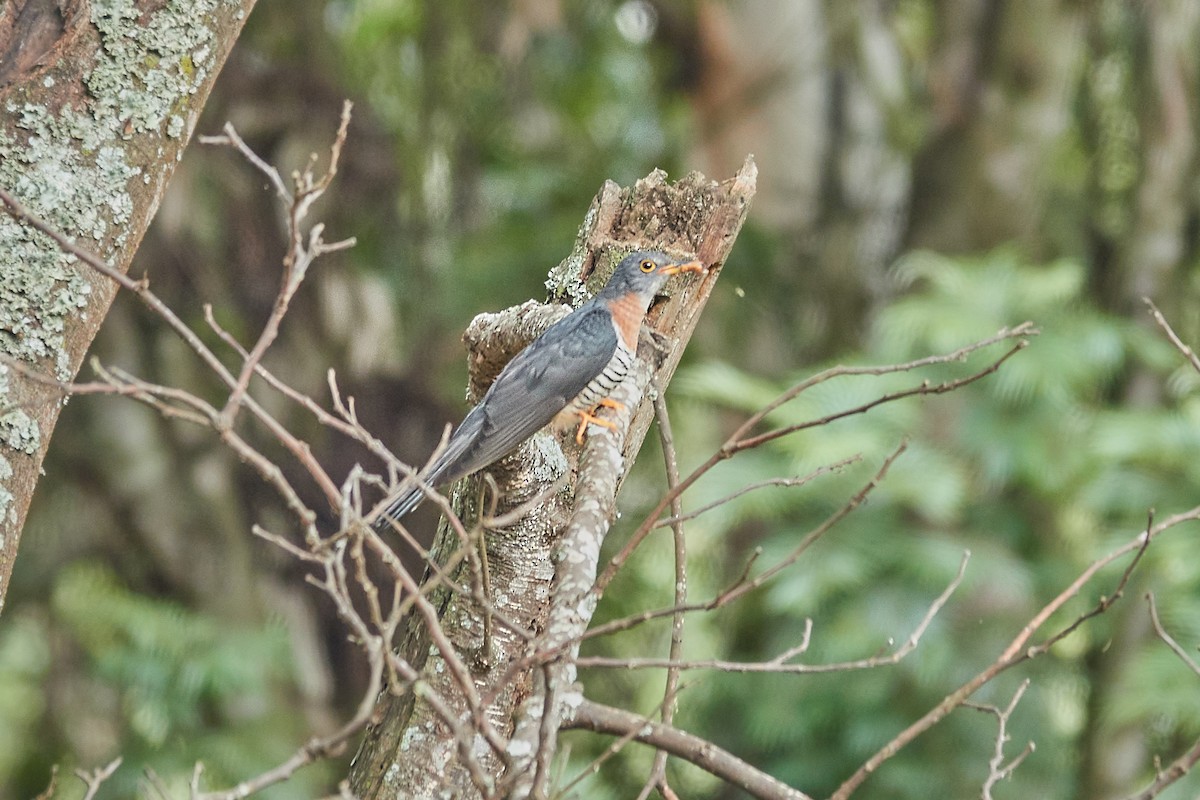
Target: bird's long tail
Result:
[[447, 468], [399, 507]]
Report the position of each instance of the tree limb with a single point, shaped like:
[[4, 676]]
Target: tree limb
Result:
[[693, 749]]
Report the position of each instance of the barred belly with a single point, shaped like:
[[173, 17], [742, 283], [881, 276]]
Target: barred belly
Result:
[[603, 384]]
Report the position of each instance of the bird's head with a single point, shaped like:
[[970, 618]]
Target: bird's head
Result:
[[643, 273]]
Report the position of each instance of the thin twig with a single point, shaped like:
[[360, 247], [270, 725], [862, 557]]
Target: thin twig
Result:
[[1019, 650], [997, 769], [1187, 352], [744, 583], [741, 440], [799, 480], [48, 792], [781, 663], [347, 424], [1175, 770], [94, 779], [1167, 638], [295, 263], [694, 749], [658, 770]]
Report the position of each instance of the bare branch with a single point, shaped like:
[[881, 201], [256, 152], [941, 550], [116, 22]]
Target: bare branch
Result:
[[693, 749], [230, 138], [658, 770], [1176, 770], [94, 779], [781, 663], [997, 769], [924, 388], [1187, 352], [48, 792], [799, 480], [744, 584], [571, 603], [1167, 638], [297, 260], [741, 440], [1019, 649], [593, 767]]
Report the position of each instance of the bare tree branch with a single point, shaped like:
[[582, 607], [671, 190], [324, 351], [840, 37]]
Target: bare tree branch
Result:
[[997, 769], [1169, 776], [701, 752], [657, 779], [744, 583], [742, 440], [94, 779], [1019, 650], [529, 558], [781, 663], [48, 792], [799, 480], [1167, 638], [1187, 352]]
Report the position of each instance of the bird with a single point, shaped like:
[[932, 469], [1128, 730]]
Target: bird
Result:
[[561, 377]]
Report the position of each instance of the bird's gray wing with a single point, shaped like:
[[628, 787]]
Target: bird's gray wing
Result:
[[524, 398], [536, 385]]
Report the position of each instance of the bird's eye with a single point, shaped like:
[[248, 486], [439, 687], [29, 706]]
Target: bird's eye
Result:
[[647, 265]]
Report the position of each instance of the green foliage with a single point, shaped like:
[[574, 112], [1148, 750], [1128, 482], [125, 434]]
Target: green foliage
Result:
[[24, 661], [1033, 469], [170, 665], [161, 686], [503, 129]]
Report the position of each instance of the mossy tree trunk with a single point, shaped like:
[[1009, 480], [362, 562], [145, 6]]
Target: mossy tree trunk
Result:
[[99, 101]]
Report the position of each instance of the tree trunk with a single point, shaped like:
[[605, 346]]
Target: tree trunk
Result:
[[98, 102], [542, 566]]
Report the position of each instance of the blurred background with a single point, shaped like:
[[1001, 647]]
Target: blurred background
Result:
[[928, 173]]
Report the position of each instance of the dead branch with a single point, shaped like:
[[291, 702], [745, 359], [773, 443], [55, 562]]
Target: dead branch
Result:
[[299, 256], [1019, 650], [48, 792], [1174, 771], [694, 749], [782, 662], [744, 583], [1162, 323], [94, 779], [571, 607], [997, 769], [657, 779], [1182, 765], [799, 480], [694, 216], [1169, 640], [742, 440]]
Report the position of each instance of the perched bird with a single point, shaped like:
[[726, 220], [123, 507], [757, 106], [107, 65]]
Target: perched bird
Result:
[[562, 376]]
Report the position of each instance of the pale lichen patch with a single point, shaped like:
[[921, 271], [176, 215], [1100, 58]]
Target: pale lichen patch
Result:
[[148, 67], [20, 432], [563, 281], [8, 509]]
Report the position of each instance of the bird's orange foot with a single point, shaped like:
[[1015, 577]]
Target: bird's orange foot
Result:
[[608, 402], [587, 417]]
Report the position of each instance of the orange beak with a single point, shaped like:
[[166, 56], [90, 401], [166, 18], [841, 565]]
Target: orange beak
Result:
[[687, 266]]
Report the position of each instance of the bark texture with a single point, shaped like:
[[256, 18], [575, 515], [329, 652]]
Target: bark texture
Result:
[[542, 566], [99, 101]]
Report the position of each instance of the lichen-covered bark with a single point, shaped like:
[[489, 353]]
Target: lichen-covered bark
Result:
[[97, 101], [543, 564]]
